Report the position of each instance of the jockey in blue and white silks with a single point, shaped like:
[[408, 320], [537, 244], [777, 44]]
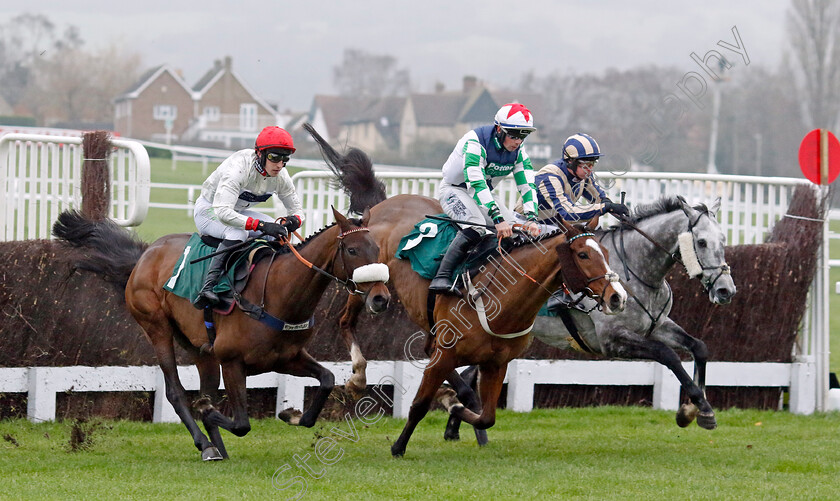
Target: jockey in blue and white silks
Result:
[[566, 188], [480, 157]]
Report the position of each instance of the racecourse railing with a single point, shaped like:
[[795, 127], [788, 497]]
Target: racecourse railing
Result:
[[40, 176], [42, 384]]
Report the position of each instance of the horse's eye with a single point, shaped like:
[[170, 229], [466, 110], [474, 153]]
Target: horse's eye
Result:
[[351, 251], [583, 255], [701, 243]]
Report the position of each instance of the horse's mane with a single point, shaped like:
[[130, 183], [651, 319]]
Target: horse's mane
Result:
[[664, 205], [354, 173], [355, 221], [523, 241]]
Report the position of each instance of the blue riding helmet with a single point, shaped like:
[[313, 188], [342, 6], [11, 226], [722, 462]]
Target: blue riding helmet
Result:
[[581, 146]]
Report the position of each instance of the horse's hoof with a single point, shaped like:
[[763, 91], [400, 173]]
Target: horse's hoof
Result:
[[203, 405], [451, 436], [354, 388], [481, 437], [290, 416], [447, 398], [686, 415], [706, 420], [397, 452], [211, 454]]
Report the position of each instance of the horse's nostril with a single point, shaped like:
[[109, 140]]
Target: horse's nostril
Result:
[[724, 293]]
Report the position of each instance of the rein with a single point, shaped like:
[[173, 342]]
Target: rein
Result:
[[348, 284]]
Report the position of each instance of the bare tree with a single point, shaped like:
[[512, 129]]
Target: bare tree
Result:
[[814, 29], [24, 40], [79, 86], [370, 75]]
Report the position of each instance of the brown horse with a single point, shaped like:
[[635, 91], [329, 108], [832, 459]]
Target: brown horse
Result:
[[514, 287], [286, 289], [465, 331]]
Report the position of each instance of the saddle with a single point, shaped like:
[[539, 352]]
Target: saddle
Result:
[[187, 279], [426, 245]]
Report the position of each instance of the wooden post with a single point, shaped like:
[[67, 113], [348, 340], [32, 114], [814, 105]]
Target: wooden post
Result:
[[823, 157]]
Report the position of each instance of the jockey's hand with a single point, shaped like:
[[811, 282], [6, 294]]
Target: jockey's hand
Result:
[[616, 209], [532, 228], [275, 230], [291, 223], [504, 229]]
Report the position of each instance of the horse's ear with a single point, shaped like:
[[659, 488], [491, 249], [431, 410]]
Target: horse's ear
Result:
[[366, 216], [564, 225], [340, 219], [715, 206], [684, 205]]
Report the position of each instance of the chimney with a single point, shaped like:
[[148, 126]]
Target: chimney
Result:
[[228, 63], [439, 87], [470, 83]]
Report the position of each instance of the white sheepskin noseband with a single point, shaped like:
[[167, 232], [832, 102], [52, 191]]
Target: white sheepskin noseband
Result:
[[689, 257], [375, 272]]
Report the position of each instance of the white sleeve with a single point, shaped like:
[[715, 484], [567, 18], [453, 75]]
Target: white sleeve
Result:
[[227, 194], [288, 195]]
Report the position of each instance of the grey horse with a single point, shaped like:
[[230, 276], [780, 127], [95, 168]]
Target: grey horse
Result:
[[643, 250]]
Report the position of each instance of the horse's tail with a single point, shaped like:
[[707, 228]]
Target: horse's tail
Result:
[[354, 172], [110, 250]]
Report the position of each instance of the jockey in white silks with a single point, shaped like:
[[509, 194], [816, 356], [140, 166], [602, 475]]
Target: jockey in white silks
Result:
[[246, 178]]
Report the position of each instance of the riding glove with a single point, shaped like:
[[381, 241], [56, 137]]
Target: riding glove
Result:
[[616, 209], [273, 229], [292, 223]]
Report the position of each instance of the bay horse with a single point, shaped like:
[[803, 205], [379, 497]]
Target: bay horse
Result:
[[646, 248], [281, 284], [468, 331]]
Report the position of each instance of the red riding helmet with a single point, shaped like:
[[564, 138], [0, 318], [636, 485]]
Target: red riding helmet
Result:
[[274, 137]]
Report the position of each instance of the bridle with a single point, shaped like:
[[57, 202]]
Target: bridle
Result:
[[351, 284], [708, 284], [610, 276]]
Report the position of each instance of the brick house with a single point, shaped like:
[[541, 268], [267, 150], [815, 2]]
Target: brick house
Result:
[[158, 107], [220, 109]]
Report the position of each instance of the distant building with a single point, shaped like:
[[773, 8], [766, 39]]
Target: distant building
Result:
[[220, 109], [401, 124]]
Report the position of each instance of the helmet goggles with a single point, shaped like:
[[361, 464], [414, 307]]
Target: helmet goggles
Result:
[[517, 133]]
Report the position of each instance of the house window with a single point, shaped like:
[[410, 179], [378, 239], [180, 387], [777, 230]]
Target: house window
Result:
[[248, 116], [212, 113], [165, 112]]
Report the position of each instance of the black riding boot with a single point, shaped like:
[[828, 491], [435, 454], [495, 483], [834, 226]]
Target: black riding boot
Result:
[[559, 300], [207, 297], [443, 282]]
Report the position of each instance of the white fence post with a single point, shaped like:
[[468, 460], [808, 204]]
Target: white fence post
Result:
[[41, 401], [520, 391], [803, 386], [666, 388], [290, 393], [163, 411], [409, 376]]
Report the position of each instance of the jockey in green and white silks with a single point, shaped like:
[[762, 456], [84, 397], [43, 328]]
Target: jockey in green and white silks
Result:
[[481, 157]]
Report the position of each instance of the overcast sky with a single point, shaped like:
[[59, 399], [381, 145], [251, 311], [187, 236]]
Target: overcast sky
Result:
[[285, 51]]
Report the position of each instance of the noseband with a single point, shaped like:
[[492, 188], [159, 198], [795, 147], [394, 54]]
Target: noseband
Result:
[[677, 255], [610, 276], [723, 268]]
